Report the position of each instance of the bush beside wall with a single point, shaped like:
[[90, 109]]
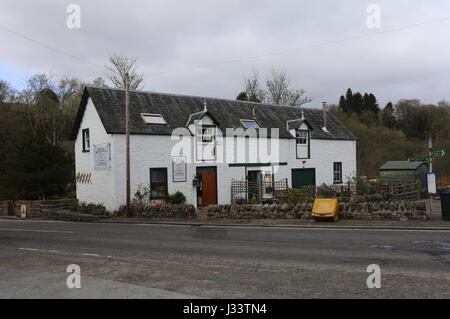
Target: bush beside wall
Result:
[[165, 211]]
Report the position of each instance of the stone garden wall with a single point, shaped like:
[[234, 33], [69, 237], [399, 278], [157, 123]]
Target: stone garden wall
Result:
[[6, 208], [390, 210], [41, 208], [161, 211]]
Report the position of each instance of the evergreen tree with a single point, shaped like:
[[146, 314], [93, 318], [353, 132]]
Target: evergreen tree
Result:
[[242, 96], [387, 116]]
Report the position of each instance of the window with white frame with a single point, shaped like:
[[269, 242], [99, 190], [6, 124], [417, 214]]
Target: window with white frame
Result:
[[153, 118], [205, 142], [302, 143], [337, 172], [250, 124]]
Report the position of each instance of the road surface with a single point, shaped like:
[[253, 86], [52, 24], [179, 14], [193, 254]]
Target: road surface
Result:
[[164, 261]]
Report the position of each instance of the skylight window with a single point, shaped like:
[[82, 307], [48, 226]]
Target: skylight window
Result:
[[250, 124], [153, 118]]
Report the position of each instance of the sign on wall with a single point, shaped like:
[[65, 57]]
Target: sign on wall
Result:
[[431, 183], [102, 157], [179, 168]]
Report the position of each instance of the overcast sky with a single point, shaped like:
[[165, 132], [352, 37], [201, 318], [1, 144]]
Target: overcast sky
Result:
[[173, 39]]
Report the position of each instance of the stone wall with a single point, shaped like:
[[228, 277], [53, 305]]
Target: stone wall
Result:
[[391, 210], [166, 211], [6, 208], [40, 208]]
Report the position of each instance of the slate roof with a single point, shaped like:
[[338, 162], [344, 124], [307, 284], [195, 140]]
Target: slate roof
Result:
[[400, 165], [176, 110], [295, 124]]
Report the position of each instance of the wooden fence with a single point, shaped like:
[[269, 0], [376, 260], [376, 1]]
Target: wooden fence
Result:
[[257, 191], [392, 191], [443, 181]]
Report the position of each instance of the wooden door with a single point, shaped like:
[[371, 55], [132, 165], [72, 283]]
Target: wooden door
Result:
[[209, 188]]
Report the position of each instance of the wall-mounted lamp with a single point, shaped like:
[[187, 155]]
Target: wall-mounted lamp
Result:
[[196, 181]]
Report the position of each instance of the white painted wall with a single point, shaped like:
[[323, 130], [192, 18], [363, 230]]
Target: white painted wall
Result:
[[101, 189], [108, 187], [155, 151]]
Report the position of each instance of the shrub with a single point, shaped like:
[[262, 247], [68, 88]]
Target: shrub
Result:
[[88, 208], [160, 211], [300, 195], [142, 194], [325, 191], [177, 198]]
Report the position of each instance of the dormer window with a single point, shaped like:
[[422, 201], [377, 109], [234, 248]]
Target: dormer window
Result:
[[250, 124], [153, 118], [206, 142], [302, 143]]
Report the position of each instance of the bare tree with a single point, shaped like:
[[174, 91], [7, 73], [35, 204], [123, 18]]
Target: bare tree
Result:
[[119, 66], [253, 89], [278, 91], [99, 82], [7, 93]]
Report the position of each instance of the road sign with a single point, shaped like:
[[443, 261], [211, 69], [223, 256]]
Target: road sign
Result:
[[438, 153], [431, 183], [419, 159]]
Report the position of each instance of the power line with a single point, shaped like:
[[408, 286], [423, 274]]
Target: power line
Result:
[[358, 37], [275, 53], [49, 47]]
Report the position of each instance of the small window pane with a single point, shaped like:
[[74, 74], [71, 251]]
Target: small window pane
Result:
[[158, 183], [153, 119], [205, 146], [302, 137], [250, 124], [337, 172], [86, 140]]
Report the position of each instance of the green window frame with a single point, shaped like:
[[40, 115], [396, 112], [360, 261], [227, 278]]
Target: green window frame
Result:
[[86, 140]]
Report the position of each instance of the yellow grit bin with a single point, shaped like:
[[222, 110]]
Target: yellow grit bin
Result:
[[326, 208]]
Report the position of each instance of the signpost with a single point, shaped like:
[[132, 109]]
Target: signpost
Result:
[[432, 189], [431, 183], [438, 153], [419, 159]]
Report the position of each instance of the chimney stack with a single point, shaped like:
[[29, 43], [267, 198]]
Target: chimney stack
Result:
[[324, 128]]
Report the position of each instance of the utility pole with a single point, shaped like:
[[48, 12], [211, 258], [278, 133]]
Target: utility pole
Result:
[[430, 152], [127, 142]]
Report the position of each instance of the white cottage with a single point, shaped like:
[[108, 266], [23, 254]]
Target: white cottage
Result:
[[199, 146]]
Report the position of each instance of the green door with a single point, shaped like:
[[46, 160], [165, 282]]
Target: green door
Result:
[[303, 177]]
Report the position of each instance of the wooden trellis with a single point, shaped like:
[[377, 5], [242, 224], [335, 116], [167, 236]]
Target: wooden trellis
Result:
[[250, 191], [83, 178]]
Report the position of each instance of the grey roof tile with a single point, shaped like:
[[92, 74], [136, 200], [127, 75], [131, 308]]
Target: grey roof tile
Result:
[[400, 165], [176, 110]]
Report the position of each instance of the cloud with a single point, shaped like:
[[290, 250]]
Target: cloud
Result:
[[169, 38]]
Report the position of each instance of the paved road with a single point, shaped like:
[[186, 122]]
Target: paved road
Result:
[[163, 261]]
